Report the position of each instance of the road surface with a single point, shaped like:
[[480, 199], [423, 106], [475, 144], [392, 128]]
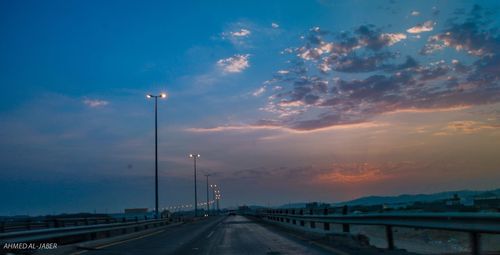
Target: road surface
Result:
[[229, 235]]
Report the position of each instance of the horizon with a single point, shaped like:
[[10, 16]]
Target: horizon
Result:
[[284, 101]]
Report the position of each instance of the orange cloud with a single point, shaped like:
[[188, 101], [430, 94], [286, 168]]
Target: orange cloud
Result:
[[353, 173], [429, 110], [247, 128], [466, 127]]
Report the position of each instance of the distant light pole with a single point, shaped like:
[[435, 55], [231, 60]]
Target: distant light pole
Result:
[[213, 186], [162, 95], [195, 157], [218, 196], [208, 199]]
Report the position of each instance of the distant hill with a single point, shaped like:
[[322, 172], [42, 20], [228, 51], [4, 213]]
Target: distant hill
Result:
[[465, 195]]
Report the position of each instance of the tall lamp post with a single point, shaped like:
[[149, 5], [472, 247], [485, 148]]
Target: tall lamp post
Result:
[[195, 157], [162, 95], [208, 199]]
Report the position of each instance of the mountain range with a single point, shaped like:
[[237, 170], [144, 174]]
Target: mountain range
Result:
[[466, 197]]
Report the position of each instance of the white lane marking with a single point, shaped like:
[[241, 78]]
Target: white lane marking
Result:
[[209, 235], [128, 240]]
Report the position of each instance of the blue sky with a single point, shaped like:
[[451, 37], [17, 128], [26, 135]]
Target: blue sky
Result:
[[285, 100]]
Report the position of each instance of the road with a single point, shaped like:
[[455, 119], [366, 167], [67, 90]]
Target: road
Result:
[[230, 235]]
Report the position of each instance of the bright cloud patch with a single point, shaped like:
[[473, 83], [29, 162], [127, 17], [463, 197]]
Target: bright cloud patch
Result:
[[393, 38], [234, 64], [426, 27], [466, 127], [259, 91], [95, 102], [242, 32]]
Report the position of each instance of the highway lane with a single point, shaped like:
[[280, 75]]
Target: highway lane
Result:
[[229, 235], [167, 241], [240, 235]]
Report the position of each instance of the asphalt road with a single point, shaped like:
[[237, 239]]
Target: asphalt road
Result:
[[230, 235]]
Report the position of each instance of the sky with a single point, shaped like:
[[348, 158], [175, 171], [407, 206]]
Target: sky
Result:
[[285, 101]]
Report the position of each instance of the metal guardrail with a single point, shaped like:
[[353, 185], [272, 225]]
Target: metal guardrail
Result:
[[473, 223], [65, 235], [31, 224]]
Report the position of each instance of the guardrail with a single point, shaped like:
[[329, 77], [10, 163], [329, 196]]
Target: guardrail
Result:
[[33, 223], [66, 235], [473, 223]]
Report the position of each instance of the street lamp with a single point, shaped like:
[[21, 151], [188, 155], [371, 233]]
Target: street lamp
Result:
[[162, 95], [195, 157]]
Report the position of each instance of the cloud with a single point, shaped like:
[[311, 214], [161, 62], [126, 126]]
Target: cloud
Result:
[[241, 33], [95, 102], [466, 127], [392, 38], [270, 127], [363, 172], [350, 77], [275, 25], [352, 173], [259, 91], [316, 94], [234, 64], [364, 37], [420, 28], [339, 173]]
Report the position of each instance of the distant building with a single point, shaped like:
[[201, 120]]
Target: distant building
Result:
[[316, 205], [487, 200], [454, 201], [243, 208], [136, 210]]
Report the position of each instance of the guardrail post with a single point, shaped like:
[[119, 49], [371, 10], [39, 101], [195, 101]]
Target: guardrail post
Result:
[[475, 245], [28, 224], [326, 226], [390, 237], [345, 227]]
